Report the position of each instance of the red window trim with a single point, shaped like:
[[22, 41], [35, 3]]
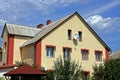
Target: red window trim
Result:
[[88, 53], [87, 72], [99, 51], [67, 48], [51, 46], [101, 54], [84, 50]]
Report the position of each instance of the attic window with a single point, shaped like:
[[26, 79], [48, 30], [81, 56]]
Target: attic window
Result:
[[80, 35], [69, 34]]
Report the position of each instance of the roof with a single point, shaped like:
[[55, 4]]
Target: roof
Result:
[[45, 31], [7, 66], [115, 55], [25, 70], [20, 30]]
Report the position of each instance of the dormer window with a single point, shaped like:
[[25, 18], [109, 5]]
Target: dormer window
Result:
[[69, 34]]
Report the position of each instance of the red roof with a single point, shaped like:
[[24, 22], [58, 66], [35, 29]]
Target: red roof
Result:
[[25, 70], [7, 66]]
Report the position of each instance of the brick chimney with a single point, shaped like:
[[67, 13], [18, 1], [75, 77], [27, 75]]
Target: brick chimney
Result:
[[40, 26], [48, 22]]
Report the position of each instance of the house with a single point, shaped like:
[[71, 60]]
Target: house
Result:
[[115, 55], [69, 36]]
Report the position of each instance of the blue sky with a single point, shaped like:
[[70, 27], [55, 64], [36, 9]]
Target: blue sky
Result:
[[102, 15]]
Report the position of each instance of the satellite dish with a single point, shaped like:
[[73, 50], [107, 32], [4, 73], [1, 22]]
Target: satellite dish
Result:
[[76, 36]]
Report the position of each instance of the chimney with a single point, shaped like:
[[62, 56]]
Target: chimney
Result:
[[48, 22], [40, 26]]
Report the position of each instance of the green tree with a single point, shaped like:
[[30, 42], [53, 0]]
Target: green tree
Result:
[[66, 69], [20, 63], [110, 70]]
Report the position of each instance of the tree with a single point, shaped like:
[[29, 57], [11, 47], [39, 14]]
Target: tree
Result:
[[110, 70], [20, 63], [66, 69], [98, 72]]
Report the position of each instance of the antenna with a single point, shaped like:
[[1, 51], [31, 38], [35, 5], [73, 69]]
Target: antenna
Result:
[[76, 36]]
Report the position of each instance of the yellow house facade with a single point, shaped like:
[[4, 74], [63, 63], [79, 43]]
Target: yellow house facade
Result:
[[68, 37]]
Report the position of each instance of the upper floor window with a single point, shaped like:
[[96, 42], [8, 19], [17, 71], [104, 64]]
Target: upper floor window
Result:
[[84, 54], [0, 56], [98, 55], [66, 52], [69, 34], [50, 51], [80, 35]]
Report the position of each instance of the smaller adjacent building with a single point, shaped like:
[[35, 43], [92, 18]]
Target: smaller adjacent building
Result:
[[115, 55], [25, 72]]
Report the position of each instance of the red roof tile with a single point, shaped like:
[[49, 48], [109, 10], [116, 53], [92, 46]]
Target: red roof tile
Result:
[[7, 66], [25, 70]]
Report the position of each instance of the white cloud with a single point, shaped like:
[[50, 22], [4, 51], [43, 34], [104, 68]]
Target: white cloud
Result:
[[107, 24], [104, 8]]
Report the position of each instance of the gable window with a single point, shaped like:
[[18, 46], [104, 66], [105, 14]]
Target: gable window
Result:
[[98, 55], [0, 56], [80, 35], [66, 52], [85, 53], [50, 50], [69, 34]]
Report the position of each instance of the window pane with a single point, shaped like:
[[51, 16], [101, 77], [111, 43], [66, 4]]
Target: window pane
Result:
[[80, 35], [69, 34], [66, 53], [98, 56], [84, 55], [50, 52]]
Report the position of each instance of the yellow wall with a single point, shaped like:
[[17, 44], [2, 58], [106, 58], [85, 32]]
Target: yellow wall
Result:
[[28, 54], [18, 41], [4, 39], [59, 39]]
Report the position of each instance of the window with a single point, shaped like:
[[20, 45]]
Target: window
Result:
[[69, 34], [50, 51], [86, 74], [80, 35], [84, 54], [98, 55], [0, 56], [66, 52]]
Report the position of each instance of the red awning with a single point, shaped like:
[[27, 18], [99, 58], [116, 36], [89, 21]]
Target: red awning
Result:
[[25, 70]]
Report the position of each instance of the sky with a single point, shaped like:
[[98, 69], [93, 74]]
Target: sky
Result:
[[102, 15]]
